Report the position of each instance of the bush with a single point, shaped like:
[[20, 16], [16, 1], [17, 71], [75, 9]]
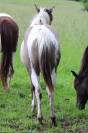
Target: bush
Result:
[[85, 2]]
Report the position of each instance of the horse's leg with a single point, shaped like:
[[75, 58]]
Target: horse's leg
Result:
[[6, 82], [32, 88], [9, 76], [51, 98], [33, 97], [35, 78]]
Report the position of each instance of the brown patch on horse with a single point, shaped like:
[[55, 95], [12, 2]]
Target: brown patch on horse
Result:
[[9, 37]]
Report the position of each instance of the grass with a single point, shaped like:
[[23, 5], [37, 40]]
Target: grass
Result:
[[70, 22]]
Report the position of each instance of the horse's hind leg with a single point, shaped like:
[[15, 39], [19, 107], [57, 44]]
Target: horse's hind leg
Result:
[[34, 78], [51, 98], [33, 98], [32, 89]]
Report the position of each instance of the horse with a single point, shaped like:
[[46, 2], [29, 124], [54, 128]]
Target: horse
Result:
[[8, 43], [40, 53], [81, 82]]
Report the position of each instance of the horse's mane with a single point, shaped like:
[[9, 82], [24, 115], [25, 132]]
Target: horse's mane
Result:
[[84, 65]]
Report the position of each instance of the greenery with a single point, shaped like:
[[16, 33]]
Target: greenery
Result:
[[85, 2], [71, 24]]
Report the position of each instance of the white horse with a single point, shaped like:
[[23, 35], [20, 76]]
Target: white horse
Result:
[[40, 52]]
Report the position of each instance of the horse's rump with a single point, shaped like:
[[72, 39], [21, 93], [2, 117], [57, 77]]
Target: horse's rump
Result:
[[43, 50]]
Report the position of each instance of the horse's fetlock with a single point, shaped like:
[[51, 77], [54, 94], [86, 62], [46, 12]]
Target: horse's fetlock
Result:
[[53, 121]]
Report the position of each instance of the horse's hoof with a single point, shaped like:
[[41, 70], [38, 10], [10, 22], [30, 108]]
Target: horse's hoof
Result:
[[40, 119], [53, 121], [6, 89]]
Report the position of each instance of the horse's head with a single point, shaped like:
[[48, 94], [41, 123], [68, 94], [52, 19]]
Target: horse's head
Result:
[[81, 87], [45, 14], [81, 81]]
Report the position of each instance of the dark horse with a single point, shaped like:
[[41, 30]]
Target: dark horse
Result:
[[8, 43], [81, 82]]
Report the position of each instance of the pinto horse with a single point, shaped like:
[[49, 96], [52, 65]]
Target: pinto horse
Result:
[[81, 82], [40, 52], [8, 44]]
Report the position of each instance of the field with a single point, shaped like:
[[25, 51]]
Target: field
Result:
[[71, 24]]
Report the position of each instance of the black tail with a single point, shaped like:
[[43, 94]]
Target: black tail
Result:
[[9, 38], [47, 64]]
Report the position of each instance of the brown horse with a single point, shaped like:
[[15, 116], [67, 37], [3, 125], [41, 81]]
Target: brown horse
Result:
[[8, 43], [81, 82], [40, 52]]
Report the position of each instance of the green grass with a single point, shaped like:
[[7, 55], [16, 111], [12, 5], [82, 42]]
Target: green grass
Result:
[[71, 24]]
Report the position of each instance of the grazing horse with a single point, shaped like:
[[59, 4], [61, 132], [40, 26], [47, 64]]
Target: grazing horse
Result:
[[40, 52], [81, 82], [8, 44]]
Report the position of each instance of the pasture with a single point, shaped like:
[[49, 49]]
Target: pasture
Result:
[[71, 24]]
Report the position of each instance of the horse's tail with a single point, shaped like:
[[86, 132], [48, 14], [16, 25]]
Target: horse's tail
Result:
[[47, 64], [9, 38]]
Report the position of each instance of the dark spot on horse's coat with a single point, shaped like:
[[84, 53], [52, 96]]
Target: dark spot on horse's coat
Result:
[[40, 96], [41, 22], [50, 14]]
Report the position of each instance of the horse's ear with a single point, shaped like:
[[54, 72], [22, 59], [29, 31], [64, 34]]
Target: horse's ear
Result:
[[51, 9], [37, 9], [74, 74]]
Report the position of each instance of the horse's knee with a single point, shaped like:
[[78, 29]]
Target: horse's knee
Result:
[[38, 93]]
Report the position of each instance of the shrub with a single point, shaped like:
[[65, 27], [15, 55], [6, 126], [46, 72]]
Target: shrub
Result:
[[85, 3]]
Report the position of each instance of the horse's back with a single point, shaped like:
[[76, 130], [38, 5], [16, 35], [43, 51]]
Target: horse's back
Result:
[[8, 30], [44, 35], [5, 15], [42, 39]]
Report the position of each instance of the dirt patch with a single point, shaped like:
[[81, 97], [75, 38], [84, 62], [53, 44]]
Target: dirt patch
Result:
[[76, 125]]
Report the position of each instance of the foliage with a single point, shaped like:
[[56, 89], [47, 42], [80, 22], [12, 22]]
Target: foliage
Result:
[[85, 2]]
